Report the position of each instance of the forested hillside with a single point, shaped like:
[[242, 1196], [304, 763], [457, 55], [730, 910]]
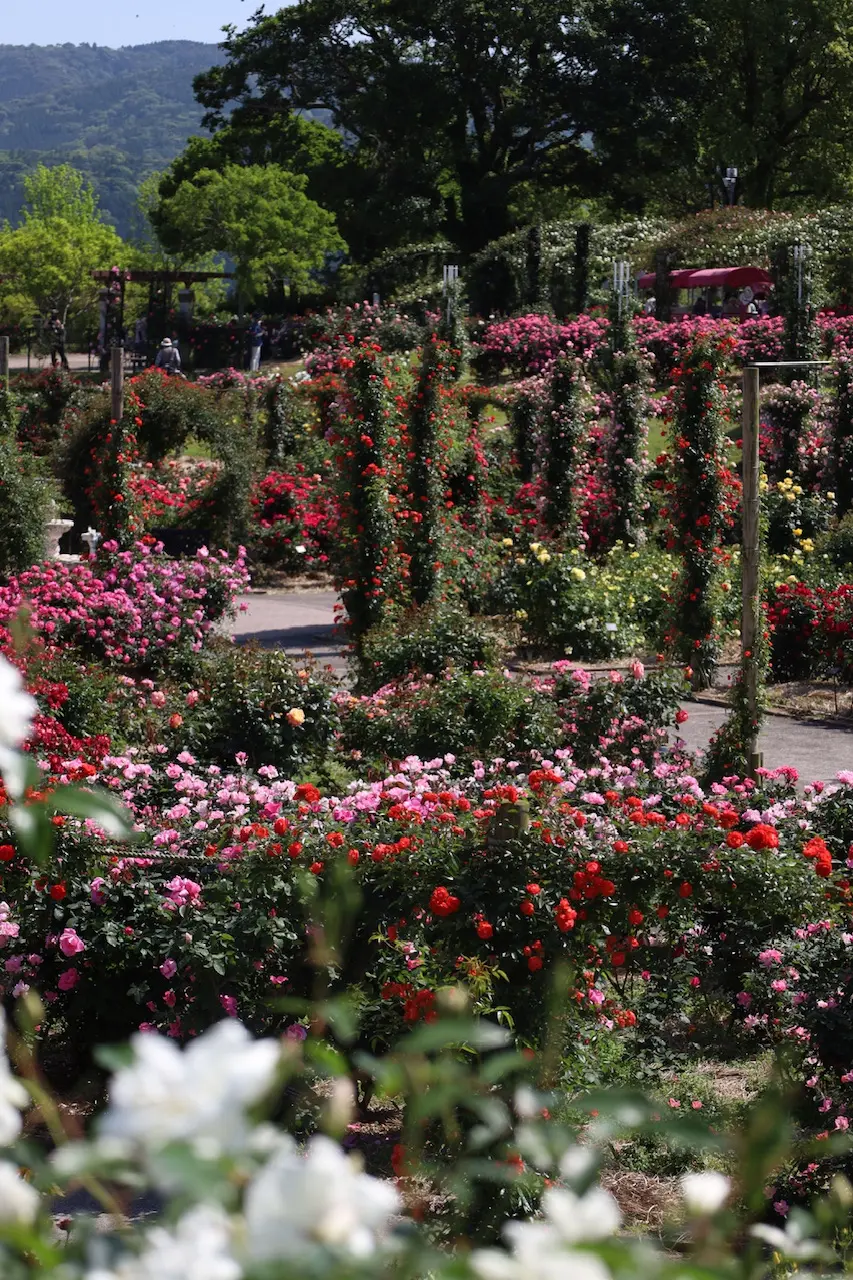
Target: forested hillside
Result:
[[115, 114]]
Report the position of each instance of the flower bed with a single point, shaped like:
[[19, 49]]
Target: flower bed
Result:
[[134, 608]]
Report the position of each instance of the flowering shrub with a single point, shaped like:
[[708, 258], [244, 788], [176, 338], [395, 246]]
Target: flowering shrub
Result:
[[134, 608], [238, 1199], [335, 333], [812, 630], [204, 913], [172, 492], [297, 518]]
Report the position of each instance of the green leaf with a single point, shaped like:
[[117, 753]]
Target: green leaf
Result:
[[100, 806]]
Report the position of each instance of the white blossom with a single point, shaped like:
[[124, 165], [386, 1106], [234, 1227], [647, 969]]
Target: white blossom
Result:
[[321, 1197], [17, 709], [543, 1250], [197, 1095], [13, 1095], [198, 1248], [705, 1193], [19, 1202]]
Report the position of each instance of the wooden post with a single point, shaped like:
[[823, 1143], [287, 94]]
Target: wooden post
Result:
[[751, 557], [117, 384], [4, 363]]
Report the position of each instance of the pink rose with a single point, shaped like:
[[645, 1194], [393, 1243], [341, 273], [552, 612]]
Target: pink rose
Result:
[[168, 969], [229, 1004], [637, 669], [158, 698], [68, 980], [70, 944], [169, 998]]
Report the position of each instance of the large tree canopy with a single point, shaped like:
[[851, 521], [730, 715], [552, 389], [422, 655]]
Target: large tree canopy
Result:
[[259, 215], [452, 107], [465, 117]]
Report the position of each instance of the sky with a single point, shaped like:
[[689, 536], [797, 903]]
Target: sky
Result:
[[122, 21]]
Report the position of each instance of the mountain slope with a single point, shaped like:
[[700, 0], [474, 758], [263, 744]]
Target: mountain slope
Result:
[[117, 114]]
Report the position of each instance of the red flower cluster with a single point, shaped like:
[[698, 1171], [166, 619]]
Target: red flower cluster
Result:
[[816, 849], [443, 902]]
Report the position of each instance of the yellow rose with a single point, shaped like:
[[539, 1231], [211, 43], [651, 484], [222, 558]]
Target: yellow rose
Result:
[[296, 716], [578, 574]]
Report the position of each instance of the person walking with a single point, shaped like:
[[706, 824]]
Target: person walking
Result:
[[168, 357], [256, 342], [56, 339]]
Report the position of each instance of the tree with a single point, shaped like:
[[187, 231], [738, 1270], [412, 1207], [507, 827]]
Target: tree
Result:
[[49, 259], [680, 90], [259, 216], [454, 107]]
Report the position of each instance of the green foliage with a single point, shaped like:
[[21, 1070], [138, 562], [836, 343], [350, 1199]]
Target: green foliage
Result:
[[429, 444], [470, 713], [114, 114], [628, 443], [841, 437], [259, 216], [26, 503], [247, 696], [525, 423], [518, 81], [423, 642], [586, 610], [281, 424], [50, 257]]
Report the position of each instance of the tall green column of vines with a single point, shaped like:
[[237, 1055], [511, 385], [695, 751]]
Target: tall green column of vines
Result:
[[369, 550], [428, 475], [697, 513], [564, 426]]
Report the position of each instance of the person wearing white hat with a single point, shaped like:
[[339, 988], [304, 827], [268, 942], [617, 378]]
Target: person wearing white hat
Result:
[[168, 357]]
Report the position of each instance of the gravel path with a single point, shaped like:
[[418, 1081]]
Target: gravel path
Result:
[[300, 621]]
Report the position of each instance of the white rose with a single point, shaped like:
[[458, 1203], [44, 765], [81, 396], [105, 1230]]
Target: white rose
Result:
[[321, 1197], [705, 1193], [197, 1249], [13, 1095], [198, 1095], [19, 1202], [17, 709]]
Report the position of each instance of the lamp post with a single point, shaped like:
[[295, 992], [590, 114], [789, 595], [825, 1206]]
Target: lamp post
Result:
[[621, 283], [802, 253], [730, 184]]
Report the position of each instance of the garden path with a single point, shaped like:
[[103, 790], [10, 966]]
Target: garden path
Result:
[[297, 621]]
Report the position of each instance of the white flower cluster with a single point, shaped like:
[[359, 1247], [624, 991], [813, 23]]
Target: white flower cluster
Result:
[[19, 1202], [296, 1203], [17, 709], [548, 1250], [280, 1209]]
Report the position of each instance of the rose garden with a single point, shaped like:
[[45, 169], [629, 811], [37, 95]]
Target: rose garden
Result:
[[460, 964]]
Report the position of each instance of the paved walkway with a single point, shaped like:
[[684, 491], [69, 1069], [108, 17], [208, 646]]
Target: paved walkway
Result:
[[76, 361], [304, 621], [296, 621]]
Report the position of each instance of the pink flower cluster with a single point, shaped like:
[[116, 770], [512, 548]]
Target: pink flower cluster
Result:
[[127, 606], [529, 344]]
